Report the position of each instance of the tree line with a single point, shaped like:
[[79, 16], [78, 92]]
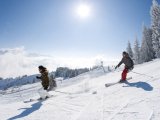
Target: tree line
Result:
[[150, 44], [66, 72]]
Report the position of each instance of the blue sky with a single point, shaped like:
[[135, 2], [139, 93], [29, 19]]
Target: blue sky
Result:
[[52, 27]]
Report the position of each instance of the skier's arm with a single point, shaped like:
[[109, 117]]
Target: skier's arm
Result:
[[119, 64]]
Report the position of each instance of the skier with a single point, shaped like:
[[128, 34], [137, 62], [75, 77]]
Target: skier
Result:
[[129, 65], [45, 83]]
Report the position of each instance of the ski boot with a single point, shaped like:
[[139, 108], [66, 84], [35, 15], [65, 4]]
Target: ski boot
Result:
[[122, 81]]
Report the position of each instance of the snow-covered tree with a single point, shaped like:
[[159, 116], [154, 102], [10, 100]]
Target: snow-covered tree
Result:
[[150, 43], [155, 25], [136, 55], [146, 52], [129, 50]]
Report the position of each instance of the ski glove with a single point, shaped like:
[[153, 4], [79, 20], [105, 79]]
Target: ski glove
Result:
[[116, 67], [131, 68], [38, 77]]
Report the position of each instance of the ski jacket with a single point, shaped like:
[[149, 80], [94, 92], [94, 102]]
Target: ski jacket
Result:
[[45, 79], [127, 61]]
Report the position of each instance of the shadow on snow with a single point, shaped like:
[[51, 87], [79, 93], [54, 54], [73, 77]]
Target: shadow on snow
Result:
[[145, 86], [27, 111]]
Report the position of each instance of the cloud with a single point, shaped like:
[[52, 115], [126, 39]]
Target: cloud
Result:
[[17, 62], [14, 62], [9, 50]]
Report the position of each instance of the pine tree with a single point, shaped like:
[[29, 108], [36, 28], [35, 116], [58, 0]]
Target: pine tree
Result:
[[155, 25], [149, 43], [136, 54], [129, 50], [146, 52]]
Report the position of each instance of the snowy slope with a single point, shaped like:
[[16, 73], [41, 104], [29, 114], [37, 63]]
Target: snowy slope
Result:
[[139, 99]]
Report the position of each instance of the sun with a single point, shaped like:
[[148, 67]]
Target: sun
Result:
[[83, 10]]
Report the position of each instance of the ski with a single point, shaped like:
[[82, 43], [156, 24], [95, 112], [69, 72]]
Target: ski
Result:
[[32, 100], [111, 84]]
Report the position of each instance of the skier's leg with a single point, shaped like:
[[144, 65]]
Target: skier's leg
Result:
[[124, 74], [45, 92], [41, 93]]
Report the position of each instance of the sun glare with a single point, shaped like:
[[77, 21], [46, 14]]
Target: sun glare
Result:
[[83, 10]]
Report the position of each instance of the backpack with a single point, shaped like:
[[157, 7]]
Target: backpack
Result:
[[52, 83], [132, 64]]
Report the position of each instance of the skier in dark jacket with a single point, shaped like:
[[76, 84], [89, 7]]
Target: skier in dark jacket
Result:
[[44, 77], [129, 65], [45, 83]]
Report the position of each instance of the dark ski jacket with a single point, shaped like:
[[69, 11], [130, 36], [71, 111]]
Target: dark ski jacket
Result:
[[44, 78], [127, 61]]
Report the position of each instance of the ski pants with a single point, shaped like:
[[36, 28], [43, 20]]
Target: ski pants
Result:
[[43, 93], [124, 74]]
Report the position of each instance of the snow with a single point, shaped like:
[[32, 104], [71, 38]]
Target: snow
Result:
[[86, 98]]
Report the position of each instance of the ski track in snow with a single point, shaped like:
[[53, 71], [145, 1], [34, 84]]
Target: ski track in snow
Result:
[[118, 110]]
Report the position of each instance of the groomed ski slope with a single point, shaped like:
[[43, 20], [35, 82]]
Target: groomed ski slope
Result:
[[88, 99]]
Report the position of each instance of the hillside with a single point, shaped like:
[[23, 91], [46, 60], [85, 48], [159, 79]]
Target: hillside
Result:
[[89, 99]]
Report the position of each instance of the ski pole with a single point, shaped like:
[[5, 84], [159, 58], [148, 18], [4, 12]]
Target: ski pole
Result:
[[142, 74]]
